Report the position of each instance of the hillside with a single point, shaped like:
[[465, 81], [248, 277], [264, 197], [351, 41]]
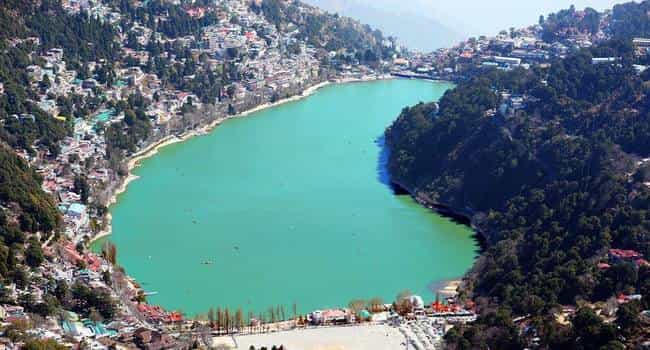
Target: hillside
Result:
[[327, 31], [86, 84], [549, 165]]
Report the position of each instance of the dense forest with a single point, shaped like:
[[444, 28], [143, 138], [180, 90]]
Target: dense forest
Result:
[[551, 184], [566, 21], [24, 209], [631, 19]]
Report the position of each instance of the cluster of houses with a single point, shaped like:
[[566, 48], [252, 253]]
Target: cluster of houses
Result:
[[272, 64], [268, 69], [127, 330], [158, 315], [524, 48], [623, 256], [449, 310]]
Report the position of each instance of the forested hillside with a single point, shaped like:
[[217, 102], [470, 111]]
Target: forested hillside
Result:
[[551, 166], [24, 209]]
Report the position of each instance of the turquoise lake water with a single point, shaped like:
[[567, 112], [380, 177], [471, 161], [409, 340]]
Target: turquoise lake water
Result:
[[291, 205]]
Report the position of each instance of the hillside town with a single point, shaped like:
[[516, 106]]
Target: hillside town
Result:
[[262, 65], [537, 45], [266, 64]]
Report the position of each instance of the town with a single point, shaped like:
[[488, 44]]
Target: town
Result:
[[173, 84]]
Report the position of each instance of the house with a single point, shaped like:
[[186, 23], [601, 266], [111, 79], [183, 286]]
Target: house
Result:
[[401, 62], [641, 262], [620, 255], [603, 60], [417, 302], [55, 54], [89, 84], [34, 72], [77, 211], [603, 266], [147, 339], [624, 298], [329, 316], [641, 42], [510, 61]]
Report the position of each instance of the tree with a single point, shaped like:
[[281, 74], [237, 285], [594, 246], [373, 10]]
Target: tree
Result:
[[45, 83], [403, 303], [627, 317], [376, 304], [356, 306], [211, 317], [95, 316], [239, 319], [220, 321], [591, 330], [34, 254], [48, 344], [81, 188], [109, 252], [106, 277], [227, 319]]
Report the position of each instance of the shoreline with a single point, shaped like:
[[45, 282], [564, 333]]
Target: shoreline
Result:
[[446, 287], [152, 149], [463, 217]]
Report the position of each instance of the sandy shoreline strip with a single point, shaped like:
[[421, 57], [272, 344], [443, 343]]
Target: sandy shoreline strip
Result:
[[153, 149]]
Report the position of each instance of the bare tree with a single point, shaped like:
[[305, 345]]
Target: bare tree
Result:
[[239, 319], [376, 304], [220, 322], [227, 320], [211, 317]]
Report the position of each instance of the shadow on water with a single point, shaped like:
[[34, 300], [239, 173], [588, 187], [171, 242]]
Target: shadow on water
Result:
[[383, 175]]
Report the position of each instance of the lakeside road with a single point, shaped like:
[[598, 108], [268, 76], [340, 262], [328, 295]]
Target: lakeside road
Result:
[[362, 337]]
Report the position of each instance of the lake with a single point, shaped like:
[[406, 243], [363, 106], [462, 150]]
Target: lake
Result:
[[288, 205]]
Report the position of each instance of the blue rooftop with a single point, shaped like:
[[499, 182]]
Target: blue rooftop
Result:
[[77, 208]]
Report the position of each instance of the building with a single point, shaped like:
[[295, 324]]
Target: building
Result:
[[603, 60], [417, 302], [641, 42], [329, 316], [618, 255], [147, 339], [76, 210], [401, 62], [511, 61]]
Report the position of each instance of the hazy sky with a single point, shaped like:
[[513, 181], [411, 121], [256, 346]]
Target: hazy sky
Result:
[[475, 17]]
